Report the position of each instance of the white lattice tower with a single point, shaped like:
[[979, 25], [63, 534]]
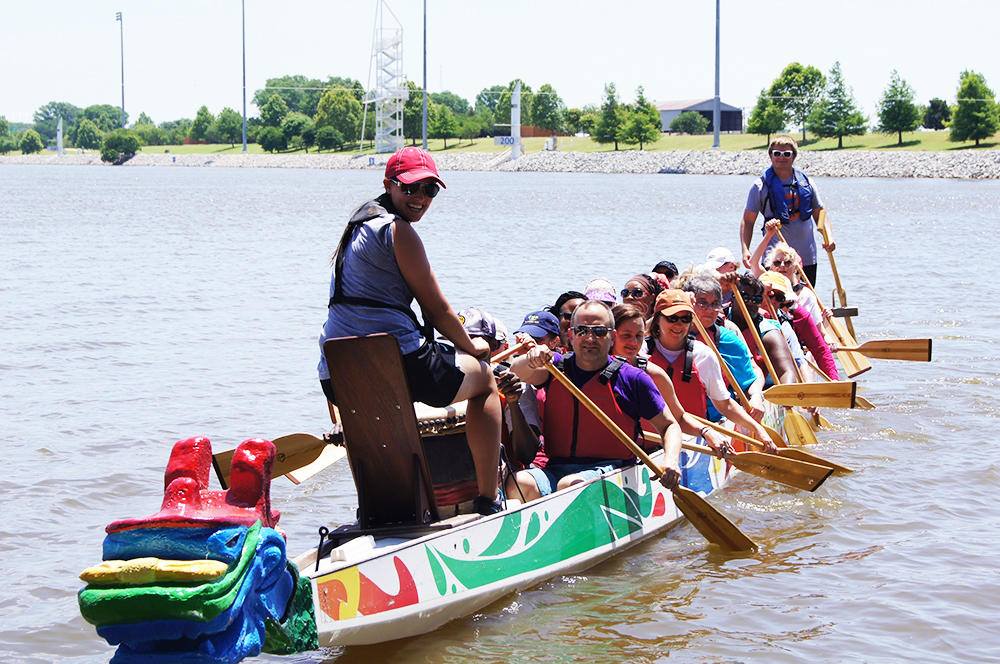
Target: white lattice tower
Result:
[[391, 91]]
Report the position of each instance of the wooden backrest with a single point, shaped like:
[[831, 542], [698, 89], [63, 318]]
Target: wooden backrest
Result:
[[380, 431]]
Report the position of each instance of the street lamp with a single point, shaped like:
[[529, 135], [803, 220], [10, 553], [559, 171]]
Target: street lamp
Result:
[[717, 103], [118, 17], [244, 5]]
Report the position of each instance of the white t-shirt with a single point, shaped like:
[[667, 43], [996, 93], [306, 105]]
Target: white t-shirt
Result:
[[807, 300], [709, 371]]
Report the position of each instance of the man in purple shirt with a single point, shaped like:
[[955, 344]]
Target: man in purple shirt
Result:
[[579, 446]]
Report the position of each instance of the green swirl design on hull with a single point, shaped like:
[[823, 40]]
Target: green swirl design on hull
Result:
[[572, 533]]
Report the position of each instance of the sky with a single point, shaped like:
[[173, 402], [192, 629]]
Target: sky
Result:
[[182, 54]]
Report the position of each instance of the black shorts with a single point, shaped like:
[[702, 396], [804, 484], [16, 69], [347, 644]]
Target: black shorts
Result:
[[431, 374]]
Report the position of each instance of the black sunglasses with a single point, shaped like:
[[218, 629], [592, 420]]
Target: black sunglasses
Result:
[[600, 331], [777, 297], [686, 318], [752, 299], [431, 189], [635, 292], [566, 315]]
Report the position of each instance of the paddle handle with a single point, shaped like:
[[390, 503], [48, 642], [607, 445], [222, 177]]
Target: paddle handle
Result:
[[603, 417], [510, 352], [728, 432]]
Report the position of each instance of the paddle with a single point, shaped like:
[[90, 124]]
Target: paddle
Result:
[[293, 452], [853, 363], [912, 350], [859, 401], [715, 527], [824, 230], [744, 399], [790, 452], [791, 472]]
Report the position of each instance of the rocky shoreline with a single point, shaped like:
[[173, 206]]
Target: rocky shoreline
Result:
[[959, 164]]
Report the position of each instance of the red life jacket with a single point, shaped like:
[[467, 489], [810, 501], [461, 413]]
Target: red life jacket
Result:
[[565, 420], [684, 376]]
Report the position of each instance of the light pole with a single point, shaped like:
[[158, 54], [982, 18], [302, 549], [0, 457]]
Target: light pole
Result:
[[244, 6], [118, 17], [425, 76], [717, 104]]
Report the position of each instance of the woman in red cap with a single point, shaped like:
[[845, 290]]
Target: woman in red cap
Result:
[[380, 266]]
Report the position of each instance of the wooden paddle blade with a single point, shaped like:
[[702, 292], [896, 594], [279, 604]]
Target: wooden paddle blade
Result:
[[802, 455], [797, 429], [836, 394], [775, 437], [710, 522], [863, 404], [291, 453], [330, 455], [911, 350], [791, 472]]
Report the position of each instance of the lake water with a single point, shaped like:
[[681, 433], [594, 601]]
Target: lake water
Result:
[[141, 306]]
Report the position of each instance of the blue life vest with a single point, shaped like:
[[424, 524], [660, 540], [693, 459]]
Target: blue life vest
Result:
[[776, 192]]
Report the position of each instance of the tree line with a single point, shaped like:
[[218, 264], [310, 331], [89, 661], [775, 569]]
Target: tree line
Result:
[[825, 106], [298, 112]]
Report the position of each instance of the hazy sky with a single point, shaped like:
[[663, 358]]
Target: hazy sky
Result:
[[181, 54]]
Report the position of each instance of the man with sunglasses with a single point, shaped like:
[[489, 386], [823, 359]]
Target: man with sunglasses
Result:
[[579, 446], [380, 266], [693, 368], [784, 192]]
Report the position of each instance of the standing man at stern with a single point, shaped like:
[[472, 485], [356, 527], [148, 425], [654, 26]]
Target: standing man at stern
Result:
[[579, 446]]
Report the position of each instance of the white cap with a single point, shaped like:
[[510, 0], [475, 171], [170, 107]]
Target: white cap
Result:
[[719, 257]]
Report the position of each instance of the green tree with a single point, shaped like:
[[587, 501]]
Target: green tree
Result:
[[442, 123], [937, 115], [643, 124], [150, 135], [458, 105], [489, 98], [88, 136], [119, 146], [7, 143], [144, 120], [896, 111], [976, 115], [837, 114], [273, 111], [31, 142], [271, 139], [571, 119], [47, 118], [230, 125], [203, 120], [547, 109], [4, 126], [341, 110], [610, 119], [766, 118], [502, 114], [105, 116], [689, 122], [328, 138], [300, 93], [295, 124], [413, 113], [796, 91]]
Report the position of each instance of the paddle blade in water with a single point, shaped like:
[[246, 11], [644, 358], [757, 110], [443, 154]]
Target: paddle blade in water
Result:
[[797, 429], [710, 522], [791, 472]]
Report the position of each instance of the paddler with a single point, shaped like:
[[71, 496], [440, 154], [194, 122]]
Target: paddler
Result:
[[379, 268], [579, 446], [784, 193]]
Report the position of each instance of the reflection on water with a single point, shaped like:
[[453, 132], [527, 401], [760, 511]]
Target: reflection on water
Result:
[[142, 306]]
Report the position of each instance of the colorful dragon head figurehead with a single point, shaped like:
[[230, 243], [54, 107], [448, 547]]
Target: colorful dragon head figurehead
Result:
[[206, 578]]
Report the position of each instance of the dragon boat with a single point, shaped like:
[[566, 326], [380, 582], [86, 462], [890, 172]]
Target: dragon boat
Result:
[[207, 578]]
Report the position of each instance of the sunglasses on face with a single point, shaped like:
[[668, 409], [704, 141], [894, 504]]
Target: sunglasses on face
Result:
[[787, 304], [686, 318], [635, 292], [782, 153], [599, 331], [702, 304], [752, 299], [778, 297], [431, 189], [781, 263], [566, 316]]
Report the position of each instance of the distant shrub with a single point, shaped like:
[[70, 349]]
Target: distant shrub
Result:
[[689, 122], [119, 146], [31, 142]]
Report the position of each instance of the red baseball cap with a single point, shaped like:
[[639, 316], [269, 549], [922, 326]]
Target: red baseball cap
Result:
[[411, 164]]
